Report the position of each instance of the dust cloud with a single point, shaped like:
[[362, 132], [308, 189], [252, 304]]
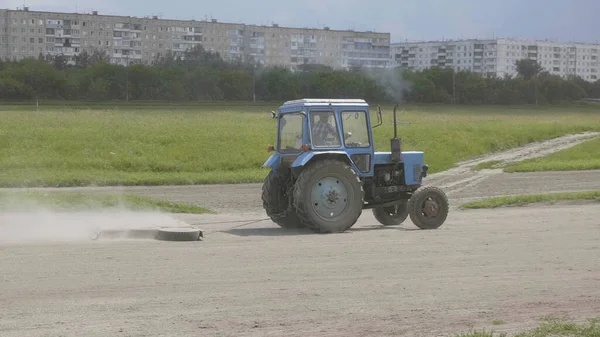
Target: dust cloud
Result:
[[24, 221]]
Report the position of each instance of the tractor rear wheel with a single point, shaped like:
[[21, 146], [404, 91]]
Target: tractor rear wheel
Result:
[[328, 196], [391, 215], [276, 201], [428, 207]]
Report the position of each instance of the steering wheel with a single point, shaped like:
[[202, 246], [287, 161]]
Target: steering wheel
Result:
[[354, 144]]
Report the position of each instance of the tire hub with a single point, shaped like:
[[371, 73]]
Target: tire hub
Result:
[[332, 196], [431, 208], [329, 197]]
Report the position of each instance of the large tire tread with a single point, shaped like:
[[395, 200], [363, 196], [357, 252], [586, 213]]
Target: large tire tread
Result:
[[302, 184], [276, 203]]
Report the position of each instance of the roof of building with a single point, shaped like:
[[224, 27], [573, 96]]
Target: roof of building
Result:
[[211, 21]]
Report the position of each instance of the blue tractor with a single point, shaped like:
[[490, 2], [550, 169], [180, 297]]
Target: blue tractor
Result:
[[325, 171]]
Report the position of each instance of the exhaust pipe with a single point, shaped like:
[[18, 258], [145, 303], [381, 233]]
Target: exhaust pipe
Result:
[[396, 143]]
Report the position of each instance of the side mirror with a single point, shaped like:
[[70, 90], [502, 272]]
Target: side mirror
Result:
[[273, 114], [379, 119], [348, 135]]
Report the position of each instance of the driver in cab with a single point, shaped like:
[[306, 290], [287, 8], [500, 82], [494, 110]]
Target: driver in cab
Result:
[[323, 132]]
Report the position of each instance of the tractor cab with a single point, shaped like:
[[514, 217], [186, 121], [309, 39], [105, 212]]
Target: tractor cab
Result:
[[310, 127]]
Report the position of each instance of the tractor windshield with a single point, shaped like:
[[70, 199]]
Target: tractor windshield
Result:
[[290, 132], [355, 127]]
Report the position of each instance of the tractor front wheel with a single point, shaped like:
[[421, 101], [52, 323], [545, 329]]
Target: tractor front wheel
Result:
[[391, 215], [328, 196], [428, 207], [276, 201]]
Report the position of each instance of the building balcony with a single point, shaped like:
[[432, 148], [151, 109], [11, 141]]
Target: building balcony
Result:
[[68, 45], [128, 28], [126, 56]]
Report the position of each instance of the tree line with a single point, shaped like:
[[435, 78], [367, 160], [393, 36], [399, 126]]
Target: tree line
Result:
[[201, 75]]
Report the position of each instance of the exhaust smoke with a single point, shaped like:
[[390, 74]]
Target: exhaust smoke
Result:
[[391, 81]]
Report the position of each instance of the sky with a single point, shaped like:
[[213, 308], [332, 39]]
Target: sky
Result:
[[406, 20]]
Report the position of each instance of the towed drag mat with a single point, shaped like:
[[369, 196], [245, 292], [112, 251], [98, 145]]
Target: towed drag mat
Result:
[[173, 233], [189, 233]]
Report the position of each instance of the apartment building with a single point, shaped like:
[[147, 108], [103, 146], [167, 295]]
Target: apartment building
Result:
[[499, 56], [130, 40]]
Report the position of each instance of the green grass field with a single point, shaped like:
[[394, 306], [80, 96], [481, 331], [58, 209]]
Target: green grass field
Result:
[[199, 144], [521, 200], [15, 200], [584, 156]]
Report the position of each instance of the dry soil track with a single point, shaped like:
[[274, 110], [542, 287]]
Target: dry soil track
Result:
[[251, 278]]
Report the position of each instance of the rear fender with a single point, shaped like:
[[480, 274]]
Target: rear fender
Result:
[[273, 162], [307, 157]]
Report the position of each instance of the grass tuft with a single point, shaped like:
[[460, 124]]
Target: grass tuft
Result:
[[555, 328], [584, 156], [549, 328], [481, 334], [486, 165], [67, 201], [521, 200]]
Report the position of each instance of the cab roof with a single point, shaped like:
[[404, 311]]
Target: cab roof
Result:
[[322, 101]]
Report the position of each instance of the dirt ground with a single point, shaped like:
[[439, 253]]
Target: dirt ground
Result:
[[248, 277]]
